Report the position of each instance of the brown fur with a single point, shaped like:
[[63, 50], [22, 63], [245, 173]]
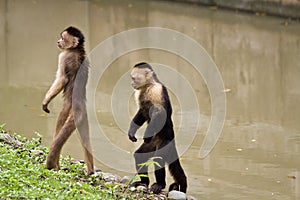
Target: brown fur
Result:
[[72, 63]]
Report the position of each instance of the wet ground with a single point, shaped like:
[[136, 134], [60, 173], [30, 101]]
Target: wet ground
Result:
[[258, 153]]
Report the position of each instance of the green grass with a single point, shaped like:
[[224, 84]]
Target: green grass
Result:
[[23, 175]]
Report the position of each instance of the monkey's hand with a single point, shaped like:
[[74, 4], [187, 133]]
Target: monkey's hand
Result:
[[45, 108], [132, 138], [132, 130]]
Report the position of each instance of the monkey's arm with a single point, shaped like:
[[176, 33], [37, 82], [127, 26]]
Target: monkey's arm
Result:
[[135, 124], [57, 86], [158, 117]]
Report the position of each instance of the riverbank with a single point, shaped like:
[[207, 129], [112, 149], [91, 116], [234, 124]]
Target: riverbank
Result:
[[283, 8], [23, 175]]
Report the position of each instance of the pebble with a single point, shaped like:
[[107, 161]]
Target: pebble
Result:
[[96, 169], [141, 188], [108, 177], [176, 195], [9, 139], [37, 152], [125, 179], [111, 177], [6, 138]]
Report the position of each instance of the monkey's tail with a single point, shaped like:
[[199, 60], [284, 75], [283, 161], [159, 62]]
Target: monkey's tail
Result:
[[179, 176]]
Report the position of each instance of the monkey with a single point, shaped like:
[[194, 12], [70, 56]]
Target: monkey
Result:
[[159, 142], [71, 78]]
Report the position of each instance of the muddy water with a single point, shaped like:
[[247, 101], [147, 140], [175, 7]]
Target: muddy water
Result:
[[258, 153]]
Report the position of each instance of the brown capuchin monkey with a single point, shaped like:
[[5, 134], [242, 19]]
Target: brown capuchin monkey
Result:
[[155, 109], [71, 78]]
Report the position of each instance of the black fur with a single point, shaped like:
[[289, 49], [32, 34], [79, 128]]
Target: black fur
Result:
[[159, 144], [76, 33]]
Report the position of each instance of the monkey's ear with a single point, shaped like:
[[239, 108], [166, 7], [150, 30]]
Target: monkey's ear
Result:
[[75, 42]]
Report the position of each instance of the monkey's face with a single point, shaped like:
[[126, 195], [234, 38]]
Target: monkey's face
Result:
[[140, 77], [67, 41]]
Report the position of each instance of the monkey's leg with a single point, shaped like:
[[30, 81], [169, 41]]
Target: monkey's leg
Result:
[[160, 171], [83, 129], [63, 115], [160, 176], [179, 177], [141, 156], [176, 170], [56, 146]]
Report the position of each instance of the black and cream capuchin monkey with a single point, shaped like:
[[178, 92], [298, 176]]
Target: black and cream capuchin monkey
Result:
[[71, 78], [155, 109]]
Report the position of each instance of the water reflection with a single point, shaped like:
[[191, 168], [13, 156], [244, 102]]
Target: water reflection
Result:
[[258, 153]]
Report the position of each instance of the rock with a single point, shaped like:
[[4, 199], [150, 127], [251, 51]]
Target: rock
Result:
[[6, 138], [37, 152], [111, 177], [176, 195], [132, 189], [125, 179], [141, 188], [96, 169], [11, 140], [76, 161]]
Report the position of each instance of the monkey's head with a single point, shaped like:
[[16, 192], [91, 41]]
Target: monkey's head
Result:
[[71, 38], [142, 75]]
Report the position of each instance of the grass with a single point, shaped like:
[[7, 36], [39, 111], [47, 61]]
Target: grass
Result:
[[23, 175]]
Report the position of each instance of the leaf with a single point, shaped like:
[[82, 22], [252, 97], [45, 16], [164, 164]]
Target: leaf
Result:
[[2, 126], [143, 164], [156, 163], [151, 163]]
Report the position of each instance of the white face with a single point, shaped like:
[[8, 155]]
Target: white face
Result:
[[140, 77], [67, 41]]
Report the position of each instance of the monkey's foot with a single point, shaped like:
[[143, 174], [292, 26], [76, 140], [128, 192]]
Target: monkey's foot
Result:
[[174, 186], [156, 188], [52, 166], [89, 172]]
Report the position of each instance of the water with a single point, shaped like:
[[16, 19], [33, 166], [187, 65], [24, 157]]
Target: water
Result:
[[257, 155]]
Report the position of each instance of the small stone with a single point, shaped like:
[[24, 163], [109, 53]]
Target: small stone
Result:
[[98, 174], [125, 179], [96, 169], [141, 188], [76, 161], [6, 138], [176, 195], [132, 189], [111, 177], [37, 152]]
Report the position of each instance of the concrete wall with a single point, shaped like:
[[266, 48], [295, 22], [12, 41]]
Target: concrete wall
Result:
[[27, 31], [284, 8], [3, 68]]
